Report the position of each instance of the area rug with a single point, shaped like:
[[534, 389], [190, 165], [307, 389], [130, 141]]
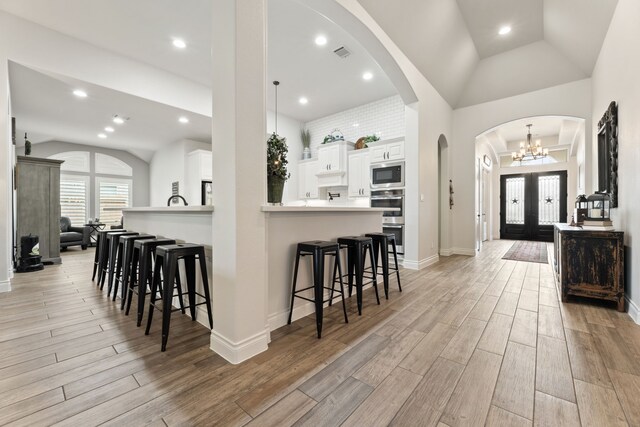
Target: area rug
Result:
[[527, 251]]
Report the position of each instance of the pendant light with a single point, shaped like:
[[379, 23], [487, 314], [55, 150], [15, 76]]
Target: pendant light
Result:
[[529, 151]]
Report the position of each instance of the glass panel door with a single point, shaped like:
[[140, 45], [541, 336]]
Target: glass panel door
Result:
[[548, 199], [515, 200]]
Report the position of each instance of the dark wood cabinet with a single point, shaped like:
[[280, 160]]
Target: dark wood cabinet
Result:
[[590, 263]]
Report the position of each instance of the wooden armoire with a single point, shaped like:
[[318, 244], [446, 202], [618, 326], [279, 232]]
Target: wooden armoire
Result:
[[38, 204]]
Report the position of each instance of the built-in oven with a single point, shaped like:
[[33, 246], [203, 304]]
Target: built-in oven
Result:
[[398, 230], [392, 200], [393, 217], [387, 175]]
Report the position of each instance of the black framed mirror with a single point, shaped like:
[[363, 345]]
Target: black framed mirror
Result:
[[608, 153]]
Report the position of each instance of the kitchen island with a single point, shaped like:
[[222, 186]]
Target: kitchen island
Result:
[[289, 225]]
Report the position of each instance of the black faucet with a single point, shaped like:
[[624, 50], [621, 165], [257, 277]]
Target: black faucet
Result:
[[332, 195], [172, 197]]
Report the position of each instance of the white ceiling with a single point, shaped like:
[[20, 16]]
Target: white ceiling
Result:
[[554, 130], [45, 108], [455, 44]]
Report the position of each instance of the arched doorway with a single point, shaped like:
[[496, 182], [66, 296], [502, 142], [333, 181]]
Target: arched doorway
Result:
[[522, 198]]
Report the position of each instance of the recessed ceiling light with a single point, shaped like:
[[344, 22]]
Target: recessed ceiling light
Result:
[[80, 93], [179, 43], [102, 135], [504, 30], [109, 129], [303, 100], [321, 40], [183, 120], [367, 76], [355, 125], [118, 120]]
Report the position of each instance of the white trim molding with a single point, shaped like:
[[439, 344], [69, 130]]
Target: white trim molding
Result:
[[422, 264], [446, 252], [5, 286], [464, 251], [238, 352], [633, 311]]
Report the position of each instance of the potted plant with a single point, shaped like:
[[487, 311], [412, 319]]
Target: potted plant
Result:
[[276, 167], [363, 141], [305, 136]]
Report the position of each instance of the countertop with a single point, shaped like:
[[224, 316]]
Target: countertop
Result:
[[172, 209], [336, 208]]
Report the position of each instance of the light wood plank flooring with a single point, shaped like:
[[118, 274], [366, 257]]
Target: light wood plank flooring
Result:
[[470, 341]]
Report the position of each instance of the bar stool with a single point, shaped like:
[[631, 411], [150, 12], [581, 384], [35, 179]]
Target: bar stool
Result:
[[96, 256], [115, 255], [126, 246], [167, 257], [318, 249], [102, 251], [144, 254], [356, 256], [381, 243]]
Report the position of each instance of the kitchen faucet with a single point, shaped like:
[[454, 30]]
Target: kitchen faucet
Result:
[[172, 197], [332, 195]]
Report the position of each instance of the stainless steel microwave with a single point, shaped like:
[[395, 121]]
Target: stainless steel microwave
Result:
[[387, 175]]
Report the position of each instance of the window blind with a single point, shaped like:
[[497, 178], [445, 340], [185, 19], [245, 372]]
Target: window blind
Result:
[[73, 200], [113, 197]]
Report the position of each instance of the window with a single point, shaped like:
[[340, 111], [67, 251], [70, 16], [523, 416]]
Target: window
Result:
[[113, 195], [74, 198]]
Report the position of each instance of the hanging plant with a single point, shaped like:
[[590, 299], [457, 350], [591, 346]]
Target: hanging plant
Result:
[[277, 157]]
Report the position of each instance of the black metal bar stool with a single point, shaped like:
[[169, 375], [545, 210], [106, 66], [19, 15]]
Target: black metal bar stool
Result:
[[126, 246], [381, 242], [96, 257], [357, 247], [144, 254], [115, 256], [167, 257], [102, 253], [318, 249]]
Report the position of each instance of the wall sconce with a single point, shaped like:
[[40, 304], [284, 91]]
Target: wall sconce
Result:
[[450, 194]]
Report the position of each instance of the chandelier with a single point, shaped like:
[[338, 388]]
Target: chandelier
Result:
[[529, 151]]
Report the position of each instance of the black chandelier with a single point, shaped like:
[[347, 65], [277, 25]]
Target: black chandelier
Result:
[[529, 151]]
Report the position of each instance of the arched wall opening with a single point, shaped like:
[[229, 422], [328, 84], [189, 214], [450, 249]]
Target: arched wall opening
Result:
[[562, 137]]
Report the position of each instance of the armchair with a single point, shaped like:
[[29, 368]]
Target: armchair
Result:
[[73, 236]]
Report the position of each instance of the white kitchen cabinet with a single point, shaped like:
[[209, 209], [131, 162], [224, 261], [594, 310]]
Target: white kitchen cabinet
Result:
[[386, 151], [359, 173], [307, 179], [198, 168], [332, 164]]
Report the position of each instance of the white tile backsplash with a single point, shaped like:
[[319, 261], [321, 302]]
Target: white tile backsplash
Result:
[[384, 118]]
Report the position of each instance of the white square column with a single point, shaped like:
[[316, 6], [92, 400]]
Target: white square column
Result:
[[240, 328]]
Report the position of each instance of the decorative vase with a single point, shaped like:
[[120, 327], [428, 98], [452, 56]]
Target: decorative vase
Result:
[[275, 187], [306, 153]]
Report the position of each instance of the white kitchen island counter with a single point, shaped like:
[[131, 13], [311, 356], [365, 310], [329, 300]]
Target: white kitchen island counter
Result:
[[190, 224], [289, 225]]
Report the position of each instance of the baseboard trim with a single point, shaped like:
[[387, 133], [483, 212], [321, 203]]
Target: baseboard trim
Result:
[[446, 252], [238, 352], [464, 251], [633, 311], [422, 264], [5, 286]]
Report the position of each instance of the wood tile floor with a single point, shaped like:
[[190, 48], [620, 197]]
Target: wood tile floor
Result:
[[470, 341]]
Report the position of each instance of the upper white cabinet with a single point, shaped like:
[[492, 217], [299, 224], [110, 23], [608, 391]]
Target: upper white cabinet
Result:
[[359, 163], [307, 179], [198, 168], [332, 164], [385, 151]]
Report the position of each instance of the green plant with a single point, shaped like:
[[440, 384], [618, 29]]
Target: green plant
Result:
[[305, 135], [277, 157], [371, 138]]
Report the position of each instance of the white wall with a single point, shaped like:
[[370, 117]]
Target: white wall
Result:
[[384, 118], [615, 78], [571, 99], [290, 129], [168, 165]]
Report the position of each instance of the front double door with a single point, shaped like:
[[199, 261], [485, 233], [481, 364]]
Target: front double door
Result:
[[530, 203]]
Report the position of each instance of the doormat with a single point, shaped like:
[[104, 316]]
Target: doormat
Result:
[[527, 251]]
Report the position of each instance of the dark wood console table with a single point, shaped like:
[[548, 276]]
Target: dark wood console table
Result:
[[590, 263]]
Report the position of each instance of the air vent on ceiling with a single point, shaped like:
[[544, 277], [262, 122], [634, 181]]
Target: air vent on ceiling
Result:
[[342, 52]]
